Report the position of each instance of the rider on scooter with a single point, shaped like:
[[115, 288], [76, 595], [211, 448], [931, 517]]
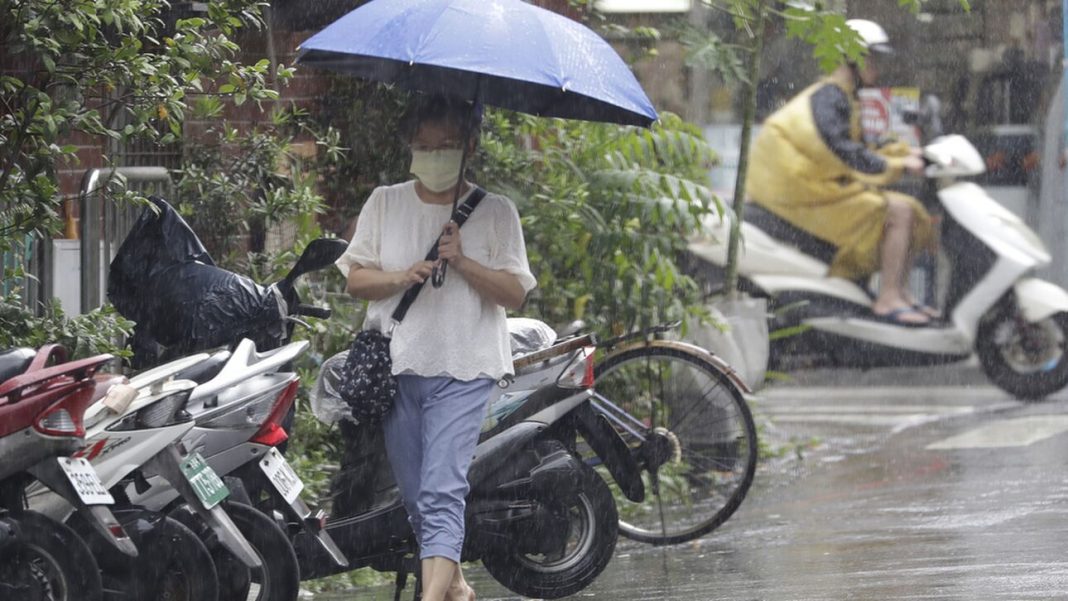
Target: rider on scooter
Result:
[[810, 166]]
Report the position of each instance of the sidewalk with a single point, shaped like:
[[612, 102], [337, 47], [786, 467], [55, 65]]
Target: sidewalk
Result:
[[967, 373]]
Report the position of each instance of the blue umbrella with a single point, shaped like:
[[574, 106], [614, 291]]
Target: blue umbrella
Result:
[[504, 53]]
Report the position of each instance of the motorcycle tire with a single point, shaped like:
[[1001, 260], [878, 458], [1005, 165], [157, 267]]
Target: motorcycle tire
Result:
[[277, 579], [172, 564], [1027, 360], [47, 561], [593, 517]]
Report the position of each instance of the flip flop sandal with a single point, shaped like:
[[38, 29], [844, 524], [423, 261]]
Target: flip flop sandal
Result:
[[894, 318], [927, 310]]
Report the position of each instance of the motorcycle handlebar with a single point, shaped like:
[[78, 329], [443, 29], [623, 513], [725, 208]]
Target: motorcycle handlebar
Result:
[[313, 311]]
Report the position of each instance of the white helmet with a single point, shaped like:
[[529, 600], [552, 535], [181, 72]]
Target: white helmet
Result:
[[872, 35]]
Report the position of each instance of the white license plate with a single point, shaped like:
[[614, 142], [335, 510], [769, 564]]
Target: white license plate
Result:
[[281, 475], [86, 482]]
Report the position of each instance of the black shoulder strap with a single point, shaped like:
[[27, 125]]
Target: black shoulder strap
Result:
[[459, 216]]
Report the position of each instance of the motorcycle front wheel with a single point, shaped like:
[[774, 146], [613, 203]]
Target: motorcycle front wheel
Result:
[[46, 561], [1028, 360], [587, 545]]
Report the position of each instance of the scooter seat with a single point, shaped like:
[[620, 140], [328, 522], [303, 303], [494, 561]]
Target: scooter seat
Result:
[[784, 231], [206, 369], [14, 362]]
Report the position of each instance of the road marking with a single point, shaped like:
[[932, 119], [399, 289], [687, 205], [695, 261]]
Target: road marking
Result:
[[872, 409], [1018, 432], [858, 419], [882, 392]]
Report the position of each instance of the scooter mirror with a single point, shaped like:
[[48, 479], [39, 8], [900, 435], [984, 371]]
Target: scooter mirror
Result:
[[319, 253]]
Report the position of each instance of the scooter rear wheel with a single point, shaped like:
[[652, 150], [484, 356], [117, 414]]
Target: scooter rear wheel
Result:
[[589, 538], [172, 563], [277, 579], [47, 562], [1027, 360]]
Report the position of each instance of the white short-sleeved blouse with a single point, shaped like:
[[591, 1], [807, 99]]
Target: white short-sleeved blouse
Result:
[[448, 331]]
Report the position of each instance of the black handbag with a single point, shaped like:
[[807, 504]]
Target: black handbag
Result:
[[367, 383]]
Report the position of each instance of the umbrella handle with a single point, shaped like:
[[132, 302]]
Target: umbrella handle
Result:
[[437, 277]]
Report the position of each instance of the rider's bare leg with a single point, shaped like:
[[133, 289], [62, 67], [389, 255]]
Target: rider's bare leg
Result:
[[894, 255]]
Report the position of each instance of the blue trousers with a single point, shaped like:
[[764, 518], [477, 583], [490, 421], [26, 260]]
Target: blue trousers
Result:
[[431, 433]]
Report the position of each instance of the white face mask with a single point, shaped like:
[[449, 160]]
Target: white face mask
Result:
[[439, 170]]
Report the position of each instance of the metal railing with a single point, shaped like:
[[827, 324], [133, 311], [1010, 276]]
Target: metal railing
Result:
[[104, 225]]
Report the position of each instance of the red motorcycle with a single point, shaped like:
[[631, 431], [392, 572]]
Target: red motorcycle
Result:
[[41, 412]]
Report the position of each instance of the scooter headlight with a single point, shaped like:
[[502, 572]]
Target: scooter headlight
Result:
[[166, 411]]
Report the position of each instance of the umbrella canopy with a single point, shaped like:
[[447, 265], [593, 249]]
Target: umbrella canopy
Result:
[[504, 53]]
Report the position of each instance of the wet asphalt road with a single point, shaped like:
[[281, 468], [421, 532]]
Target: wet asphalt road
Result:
[[915, 484]]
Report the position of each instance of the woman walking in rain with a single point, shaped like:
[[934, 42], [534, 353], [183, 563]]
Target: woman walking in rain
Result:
[[453, 343]]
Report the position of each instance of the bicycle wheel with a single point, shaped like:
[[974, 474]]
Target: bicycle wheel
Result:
[[692, 433]]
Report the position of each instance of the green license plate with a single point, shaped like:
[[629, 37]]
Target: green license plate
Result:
[[206, 483]]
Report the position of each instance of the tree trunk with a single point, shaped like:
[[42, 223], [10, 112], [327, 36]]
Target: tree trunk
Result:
[[749, 114]]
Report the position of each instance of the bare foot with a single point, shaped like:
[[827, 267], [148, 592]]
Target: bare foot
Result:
[[460, 593]]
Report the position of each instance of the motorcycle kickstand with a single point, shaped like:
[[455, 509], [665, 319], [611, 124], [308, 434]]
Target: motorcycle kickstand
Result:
[[401, 583]]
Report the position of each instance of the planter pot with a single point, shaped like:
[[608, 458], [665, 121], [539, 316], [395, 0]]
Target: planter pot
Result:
[[743, 342]]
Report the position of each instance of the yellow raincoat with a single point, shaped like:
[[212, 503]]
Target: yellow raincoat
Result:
[[796, 175]]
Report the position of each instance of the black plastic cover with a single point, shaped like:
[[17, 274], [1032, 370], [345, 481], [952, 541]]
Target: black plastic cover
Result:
[[164, 279]]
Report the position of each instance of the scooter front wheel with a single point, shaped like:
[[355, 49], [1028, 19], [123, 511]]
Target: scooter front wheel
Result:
[[1028, 360]]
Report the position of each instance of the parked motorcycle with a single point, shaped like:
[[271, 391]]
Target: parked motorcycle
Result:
[[243, 397], [237, 409], [1015, 323], [539, 518], [135, 432], [41, 413]]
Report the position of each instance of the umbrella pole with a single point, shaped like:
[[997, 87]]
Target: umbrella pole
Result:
[[437, 278]]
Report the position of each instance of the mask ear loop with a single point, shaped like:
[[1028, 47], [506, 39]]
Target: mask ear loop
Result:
[[437, 276]]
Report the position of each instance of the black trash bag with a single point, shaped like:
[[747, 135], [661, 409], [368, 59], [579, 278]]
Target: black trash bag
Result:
[[164, 280]]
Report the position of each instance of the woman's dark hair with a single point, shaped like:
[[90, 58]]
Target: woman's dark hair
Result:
[[442, 109]]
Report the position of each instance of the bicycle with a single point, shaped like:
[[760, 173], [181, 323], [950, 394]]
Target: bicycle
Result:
[[682, 412]]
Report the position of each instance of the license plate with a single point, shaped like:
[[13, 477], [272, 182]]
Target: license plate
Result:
[[205, 482], [86, 482], [281, 475]]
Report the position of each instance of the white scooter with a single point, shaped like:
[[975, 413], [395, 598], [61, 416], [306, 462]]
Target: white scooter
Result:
[[133, 432], [1017, 324]]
